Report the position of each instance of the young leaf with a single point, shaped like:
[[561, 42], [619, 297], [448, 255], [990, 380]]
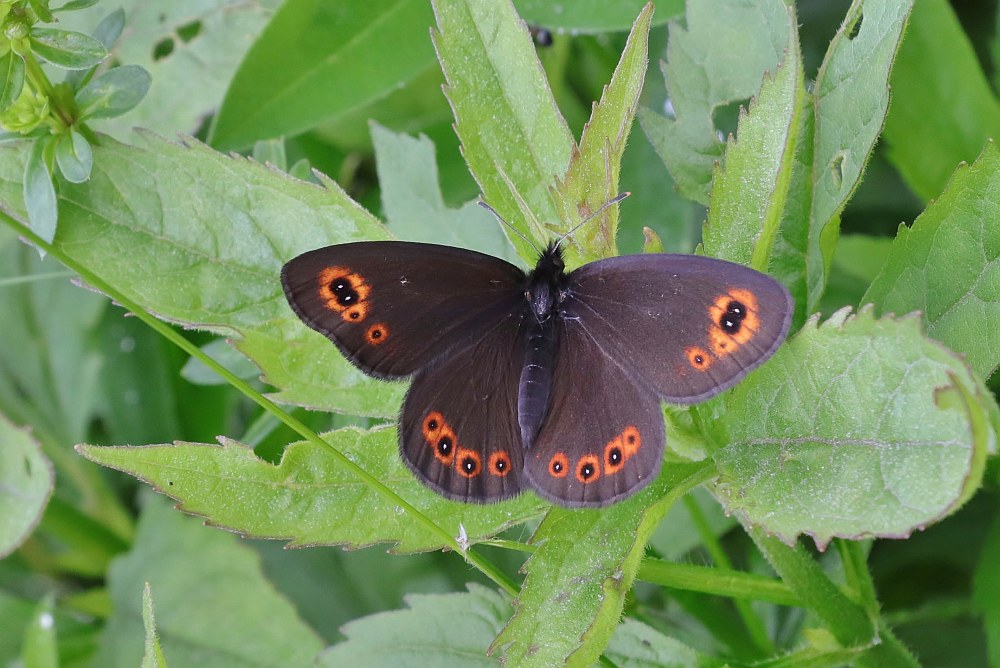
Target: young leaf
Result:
[[451, 630], [592, 177], [216, 605], [26, 480], [940, 95], [412, 201], [38, 191], [311, 499], [152, 654], [69, 50], [113, 93], [751, 190], [578, 576], [861, 427], [719, 58], [958, 237], [317, 60], [11, 79], [513, 136], [74, 157]]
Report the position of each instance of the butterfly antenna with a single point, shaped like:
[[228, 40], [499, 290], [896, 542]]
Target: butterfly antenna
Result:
[[509, 226], [610, 202]]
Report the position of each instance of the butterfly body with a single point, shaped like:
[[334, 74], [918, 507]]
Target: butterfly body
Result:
[[547, 380]]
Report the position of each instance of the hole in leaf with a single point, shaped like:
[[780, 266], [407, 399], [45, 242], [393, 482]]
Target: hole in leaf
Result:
[[726, 117], [855, 28], [189, 31], [163, 48]]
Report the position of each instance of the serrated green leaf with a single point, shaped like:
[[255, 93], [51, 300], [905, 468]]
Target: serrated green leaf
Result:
[[200, 238], [69, 50], [942, 110], [451, 630], [317, 60], [74, 157], [26, 480], [113, 93], [513, 136], [594, 170], [719, 58], [413, 204], [216, 606], [152, 654], [578, 576], [637, 645], [861, 427], [11, 79], [750, 192], [39, 193], [41, 649], [851, 96], [311, 499], [592, 16], [958, 237]]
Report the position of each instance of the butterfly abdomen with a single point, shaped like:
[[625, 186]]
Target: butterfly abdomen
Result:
[[535, 385]]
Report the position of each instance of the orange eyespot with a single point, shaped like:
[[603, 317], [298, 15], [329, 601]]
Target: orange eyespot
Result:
[[433, 424], [588, 469], [467, 462], [734, 321], [614, 456], [698, 357], [558, 465], [631, 441], [377, 334], [500, 463], [345, 292]]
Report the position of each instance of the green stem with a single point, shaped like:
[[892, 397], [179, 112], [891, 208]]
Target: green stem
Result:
[[755, 626], [856, 574], [717, 581], [475, 559]]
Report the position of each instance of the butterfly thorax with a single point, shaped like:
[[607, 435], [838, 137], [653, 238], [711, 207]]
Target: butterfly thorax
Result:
[[546, 284]]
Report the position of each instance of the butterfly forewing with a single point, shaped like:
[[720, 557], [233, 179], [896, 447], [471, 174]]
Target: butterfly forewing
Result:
[[689, 326], [459, 431], [603, 438], [392, 307]]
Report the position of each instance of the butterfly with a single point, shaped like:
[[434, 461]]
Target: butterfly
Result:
[[547, 380]]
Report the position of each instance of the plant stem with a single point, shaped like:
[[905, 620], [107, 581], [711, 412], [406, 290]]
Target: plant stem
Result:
[[717, 581]]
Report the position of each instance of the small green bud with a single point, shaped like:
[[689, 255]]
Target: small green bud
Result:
[[15, 28], [29, 111]]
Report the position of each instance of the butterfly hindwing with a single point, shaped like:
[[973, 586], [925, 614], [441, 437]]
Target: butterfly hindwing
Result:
[[392, 307], [603, 437], [689, 326], [458, 430]]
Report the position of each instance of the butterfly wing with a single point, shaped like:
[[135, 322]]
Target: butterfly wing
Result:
[[603, 437], [689, 326], [459, 431], [392, 307]]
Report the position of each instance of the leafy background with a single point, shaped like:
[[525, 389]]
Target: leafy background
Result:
[[862, 426]]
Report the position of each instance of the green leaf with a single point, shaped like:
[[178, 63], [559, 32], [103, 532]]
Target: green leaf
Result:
[[271, 151], [311, 499], [149, 221], [851, 96], [39, 193], [152, 655], [317, 60], [451, 630], [41, 649], [26, 480], [198, 373], [578, 576], [719, 58], [856, 263], [986, 590], [113, 93], [638, 646], [74, 5], [42, 11], [751, 190], [11, 79], [513, 136], [74, 157], [216, 607], [412, 201], [861, 427], [69, 50], [958, 237], [592, 177], [943, 109], [15, 615], [592, 16]]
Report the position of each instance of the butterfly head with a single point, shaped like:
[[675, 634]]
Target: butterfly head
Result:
[[546, 284]]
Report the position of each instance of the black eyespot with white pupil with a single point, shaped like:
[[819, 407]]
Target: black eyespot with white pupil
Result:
[[444, 446], [557, 467], [469, 465], [344, 292], [733, 318], [614, 456], [587, 470]]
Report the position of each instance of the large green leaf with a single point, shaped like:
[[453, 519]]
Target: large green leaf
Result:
[[942, 109], [317, 60], [214, 606], [308, 497], [860, 427], [947, 265], [26, 481], [586, 16]]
